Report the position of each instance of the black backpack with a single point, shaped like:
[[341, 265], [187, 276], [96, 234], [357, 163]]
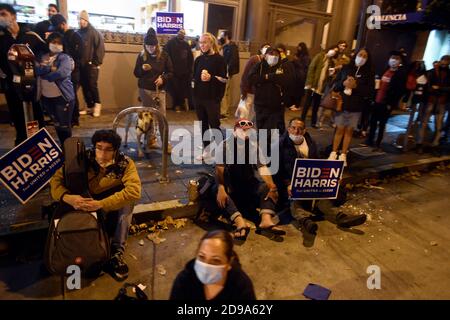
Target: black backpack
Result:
[[76, 237]]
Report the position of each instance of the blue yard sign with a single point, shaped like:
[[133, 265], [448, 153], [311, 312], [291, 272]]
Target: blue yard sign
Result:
[[316, 179], [169, 22], [27, 168]]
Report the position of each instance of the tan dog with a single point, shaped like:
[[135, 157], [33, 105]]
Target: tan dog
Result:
[[144, 127]]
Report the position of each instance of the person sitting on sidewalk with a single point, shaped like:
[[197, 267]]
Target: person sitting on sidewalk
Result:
[[240, 190], [215, 273], [297, 143], [114, 185]]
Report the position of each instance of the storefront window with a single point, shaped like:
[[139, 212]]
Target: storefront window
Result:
[[220, 18], [291, 29], [31, 11], [117, 15]]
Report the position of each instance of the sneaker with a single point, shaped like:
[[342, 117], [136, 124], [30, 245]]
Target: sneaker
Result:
[[85, 111], [343, 157], [306, 224], [333, 155], [97, 110], [118, 267], [345, 221]]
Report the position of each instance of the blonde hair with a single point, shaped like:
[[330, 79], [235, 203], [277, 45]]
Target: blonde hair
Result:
[[145, 54], [212, 40]]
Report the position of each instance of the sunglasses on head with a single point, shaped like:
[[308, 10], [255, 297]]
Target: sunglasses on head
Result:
[[244, 123]]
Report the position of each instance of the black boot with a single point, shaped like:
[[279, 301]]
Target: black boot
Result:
[[308, 225], [117, 266], [345, 221]]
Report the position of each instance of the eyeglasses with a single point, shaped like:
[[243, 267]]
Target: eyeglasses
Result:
[[104, 150], [245, 123]]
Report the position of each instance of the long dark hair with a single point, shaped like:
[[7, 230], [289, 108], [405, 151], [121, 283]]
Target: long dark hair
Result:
[[368, 63], [227, 241], [304, 50]]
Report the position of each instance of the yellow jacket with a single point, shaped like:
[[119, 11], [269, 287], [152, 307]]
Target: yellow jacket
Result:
[[122, 173]]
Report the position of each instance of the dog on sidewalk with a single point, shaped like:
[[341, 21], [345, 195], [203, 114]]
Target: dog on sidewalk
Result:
[[144, 127]]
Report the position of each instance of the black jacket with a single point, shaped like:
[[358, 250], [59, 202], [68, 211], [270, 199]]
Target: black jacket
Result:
[[397, 87], [238, 286], [363, 93], [180, 53], [268, 90], [41, 28], [73, 46], [440, 78], [213, 89], [160, 66], [93, 46], [288, 154], [231, 56]]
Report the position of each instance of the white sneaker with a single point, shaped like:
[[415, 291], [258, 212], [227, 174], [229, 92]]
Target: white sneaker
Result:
[[333, 156], [85, 112], [343, 157], [97, 109]]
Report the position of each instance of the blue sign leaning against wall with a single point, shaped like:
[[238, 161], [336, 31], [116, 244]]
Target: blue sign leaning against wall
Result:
[[316, 179], [27, 168]]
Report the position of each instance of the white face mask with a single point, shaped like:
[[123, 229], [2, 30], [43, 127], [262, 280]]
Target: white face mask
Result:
[[55, 48], [4, 22], [297, 139], [331, 53], [393, 63], [272, 60], [208, 273], [359, 61]]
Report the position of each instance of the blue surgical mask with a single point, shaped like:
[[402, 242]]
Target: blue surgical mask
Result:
[[272, 60], [393, 63], [359, 61], [208, 273]]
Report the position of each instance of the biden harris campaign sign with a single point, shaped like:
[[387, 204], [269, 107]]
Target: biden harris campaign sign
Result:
[[169, 22], [27, 168], [316, 179]]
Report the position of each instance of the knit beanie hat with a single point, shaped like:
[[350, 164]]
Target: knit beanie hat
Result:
[[150, 38], [84, 15]]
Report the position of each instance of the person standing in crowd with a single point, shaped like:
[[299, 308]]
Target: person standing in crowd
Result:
[[392, 88], [182, 59], [92, 56], [341, 59], [43, 28], [231, 56], [73, 46], [268, 78], [301, 62], [319, 70], [215, 274], [289, 75], [154, 70], [248, 90], [11, 33], [54, 87], [209, 79], [297, 143], [356, 84], [438, 98]]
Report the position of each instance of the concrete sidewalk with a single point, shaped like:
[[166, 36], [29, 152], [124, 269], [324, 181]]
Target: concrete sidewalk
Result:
[[171, 198]]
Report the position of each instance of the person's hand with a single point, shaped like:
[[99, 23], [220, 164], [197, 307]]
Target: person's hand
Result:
[[76, 201], [289, 190], [205, 77], [350, 82], [159, 82], [91, 205], [222, 197], [146, 67], [272, 194], [435, 87]]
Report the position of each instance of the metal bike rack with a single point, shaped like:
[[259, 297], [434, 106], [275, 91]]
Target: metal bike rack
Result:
[[164, 135]]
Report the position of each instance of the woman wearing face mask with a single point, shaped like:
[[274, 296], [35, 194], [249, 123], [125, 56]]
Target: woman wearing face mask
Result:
[[392, 88], [153, 69], [215, 273], [355, 83], [54, 87]]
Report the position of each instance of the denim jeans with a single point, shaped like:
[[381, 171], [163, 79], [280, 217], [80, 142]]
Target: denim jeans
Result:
[[120, 236], [61, 112], [439, 113]]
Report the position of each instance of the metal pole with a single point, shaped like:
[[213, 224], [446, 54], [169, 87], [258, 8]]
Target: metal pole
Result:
[[164, 135]]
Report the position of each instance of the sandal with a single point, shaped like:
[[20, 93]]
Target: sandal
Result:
[[270, 230], [239, 230]]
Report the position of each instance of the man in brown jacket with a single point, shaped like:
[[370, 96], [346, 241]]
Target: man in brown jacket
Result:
[[114, 185]]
